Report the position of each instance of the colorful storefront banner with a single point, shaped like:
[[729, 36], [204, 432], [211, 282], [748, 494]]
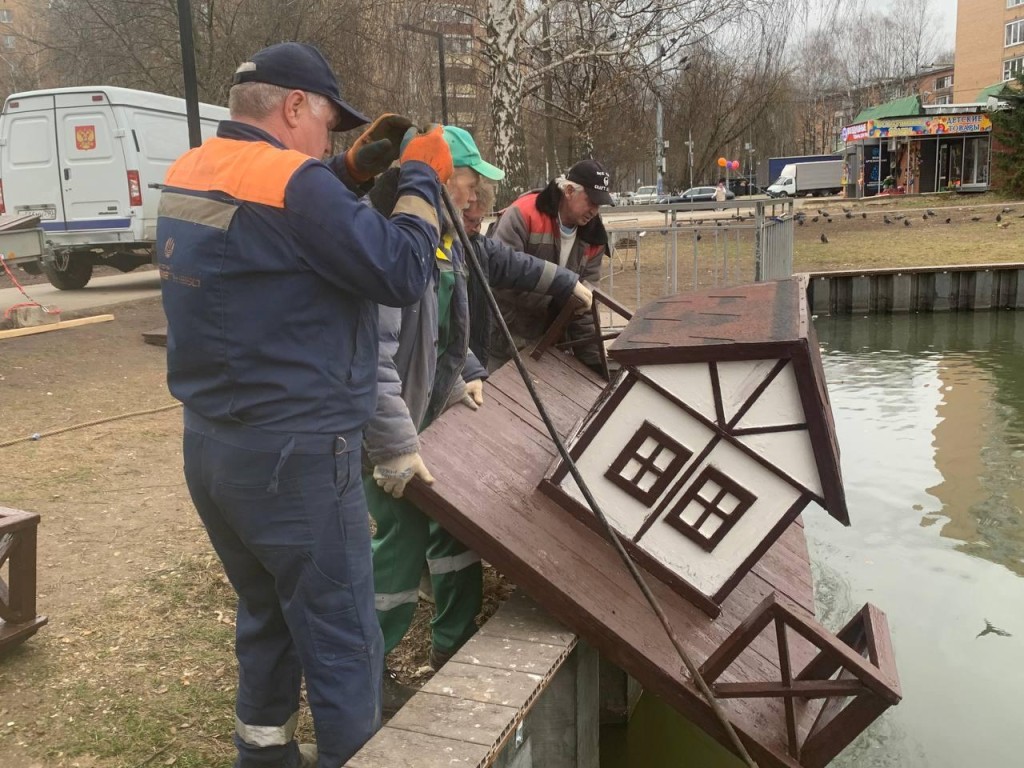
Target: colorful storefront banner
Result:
[[924, 125]]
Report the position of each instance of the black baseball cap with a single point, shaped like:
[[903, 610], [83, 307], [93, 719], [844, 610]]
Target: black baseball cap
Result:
[[301, 67], [592, 176]]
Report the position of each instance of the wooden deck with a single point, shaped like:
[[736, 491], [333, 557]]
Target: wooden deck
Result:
[[487, 466]]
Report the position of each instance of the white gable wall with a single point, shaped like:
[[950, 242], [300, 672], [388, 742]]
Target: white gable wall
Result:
[[738, 380], [690, 382], [778, 405], [641, 404], [708, 571]]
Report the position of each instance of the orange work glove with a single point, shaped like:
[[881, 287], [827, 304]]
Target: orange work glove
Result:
[[377, 147], [430, 148]]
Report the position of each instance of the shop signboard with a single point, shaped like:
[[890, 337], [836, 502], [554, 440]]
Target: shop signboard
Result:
[[923, 125]]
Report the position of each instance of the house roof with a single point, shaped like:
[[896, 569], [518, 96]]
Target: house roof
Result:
[[992, 90], [751, 322], [905, 107]]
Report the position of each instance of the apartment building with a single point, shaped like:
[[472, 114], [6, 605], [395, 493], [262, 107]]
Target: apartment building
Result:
[[24, 62], [465, 70], [989, 45]]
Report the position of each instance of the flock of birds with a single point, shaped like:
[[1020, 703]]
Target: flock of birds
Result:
[[802, 216]]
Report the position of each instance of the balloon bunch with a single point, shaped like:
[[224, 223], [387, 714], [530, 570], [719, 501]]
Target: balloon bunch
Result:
[[732, 165]]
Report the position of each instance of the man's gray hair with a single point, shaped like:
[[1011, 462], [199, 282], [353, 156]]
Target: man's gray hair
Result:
[[485, 195], [258, 100], [564, 184]]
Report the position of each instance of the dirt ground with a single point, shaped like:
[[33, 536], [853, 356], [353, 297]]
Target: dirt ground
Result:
[[136, 665]]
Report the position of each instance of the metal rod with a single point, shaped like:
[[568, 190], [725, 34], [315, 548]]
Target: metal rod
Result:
[[599, 514]]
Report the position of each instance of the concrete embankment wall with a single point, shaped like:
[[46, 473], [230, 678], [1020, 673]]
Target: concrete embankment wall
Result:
[[924, 289]]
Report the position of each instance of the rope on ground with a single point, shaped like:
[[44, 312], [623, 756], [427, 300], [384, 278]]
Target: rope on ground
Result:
[[53, 432], [31, 302]]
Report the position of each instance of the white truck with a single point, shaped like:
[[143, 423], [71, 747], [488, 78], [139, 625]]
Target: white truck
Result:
[[810, 179], [85, 161]]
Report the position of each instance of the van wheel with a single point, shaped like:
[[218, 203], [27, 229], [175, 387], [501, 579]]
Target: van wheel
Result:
[[75, 275]]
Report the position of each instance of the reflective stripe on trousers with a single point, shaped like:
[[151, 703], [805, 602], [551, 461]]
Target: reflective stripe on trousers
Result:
[[452, 563], [267, 735], [388, 602]]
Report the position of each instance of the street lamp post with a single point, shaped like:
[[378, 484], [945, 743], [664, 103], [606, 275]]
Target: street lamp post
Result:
[[188, 67], [440, 65], [689, 154]]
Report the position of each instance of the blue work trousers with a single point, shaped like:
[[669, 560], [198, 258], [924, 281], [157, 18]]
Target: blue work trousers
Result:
[[288, 518]]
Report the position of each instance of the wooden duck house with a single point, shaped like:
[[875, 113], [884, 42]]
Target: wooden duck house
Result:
[[716, 434]]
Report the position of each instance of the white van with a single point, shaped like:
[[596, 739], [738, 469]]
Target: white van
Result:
[[83, 160]]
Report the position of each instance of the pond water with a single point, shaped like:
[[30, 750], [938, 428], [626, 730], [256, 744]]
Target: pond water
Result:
[[929, 411]]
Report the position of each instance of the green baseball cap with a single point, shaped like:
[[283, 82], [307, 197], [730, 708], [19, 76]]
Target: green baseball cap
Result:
[[465, 153]]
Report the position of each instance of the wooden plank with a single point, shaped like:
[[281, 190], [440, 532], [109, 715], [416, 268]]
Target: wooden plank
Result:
[[521, 618], [575, 575], [15, 634], [157, 337], [58, 326], [475, 722], [507, 653], [507, 687], [396, 748], [819, 689]]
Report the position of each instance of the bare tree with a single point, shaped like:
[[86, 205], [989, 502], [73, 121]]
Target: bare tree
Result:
[[633, 34]]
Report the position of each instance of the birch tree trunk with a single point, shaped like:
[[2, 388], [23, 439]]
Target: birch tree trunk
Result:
[[502, 49]]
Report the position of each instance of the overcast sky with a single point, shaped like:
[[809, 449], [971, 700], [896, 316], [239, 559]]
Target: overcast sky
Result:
[[946, 11]]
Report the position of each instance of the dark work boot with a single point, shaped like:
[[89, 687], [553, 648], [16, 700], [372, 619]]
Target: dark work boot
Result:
[[439, 658], [394, 694]]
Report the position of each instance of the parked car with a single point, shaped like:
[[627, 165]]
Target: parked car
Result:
[[644, 196], [697, 195]]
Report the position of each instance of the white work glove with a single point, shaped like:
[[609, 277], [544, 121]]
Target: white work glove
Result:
[[473, 396], [395, 473], [584, 294]]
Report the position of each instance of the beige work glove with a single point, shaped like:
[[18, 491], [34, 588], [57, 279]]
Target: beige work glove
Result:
[[473, 397], [395, 473], [584, 294]]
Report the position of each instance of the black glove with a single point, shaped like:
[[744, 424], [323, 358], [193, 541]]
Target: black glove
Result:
[[377, 148]]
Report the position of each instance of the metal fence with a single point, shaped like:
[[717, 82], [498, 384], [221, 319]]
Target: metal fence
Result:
[[658, 250]]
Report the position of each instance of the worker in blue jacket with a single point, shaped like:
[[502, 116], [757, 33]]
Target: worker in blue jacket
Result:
[[271, 273], [425, 365]]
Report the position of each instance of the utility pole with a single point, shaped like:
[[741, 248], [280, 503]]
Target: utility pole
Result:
[[550, 161], [188, 68], [659, 150], [659, 140], [440, 64], [689, 154]]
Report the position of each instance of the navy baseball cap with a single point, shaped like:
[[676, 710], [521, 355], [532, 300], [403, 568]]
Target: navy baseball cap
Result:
[[592, 176], [301, 67]]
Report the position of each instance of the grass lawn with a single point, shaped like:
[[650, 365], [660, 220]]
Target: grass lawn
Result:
[[719, 250]]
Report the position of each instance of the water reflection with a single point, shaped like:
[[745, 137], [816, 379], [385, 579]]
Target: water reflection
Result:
[[978, 420], [930, 416], [929, 411]]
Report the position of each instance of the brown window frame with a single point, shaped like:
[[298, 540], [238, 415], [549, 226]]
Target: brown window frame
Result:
[[726, 485], [663, 477]]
